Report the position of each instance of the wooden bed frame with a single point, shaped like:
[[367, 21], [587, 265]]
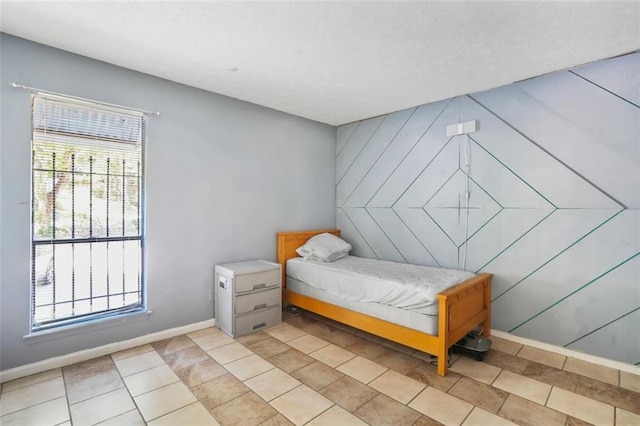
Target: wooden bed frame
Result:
[[460, 309]]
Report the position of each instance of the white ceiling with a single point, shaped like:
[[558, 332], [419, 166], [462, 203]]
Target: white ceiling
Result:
[[334, 62]]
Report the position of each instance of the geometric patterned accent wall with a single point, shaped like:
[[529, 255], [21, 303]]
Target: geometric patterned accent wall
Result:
[[553, 208]]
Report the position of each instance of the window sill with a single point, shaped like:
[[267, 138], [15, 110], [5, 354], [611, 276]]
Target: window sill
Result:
[[85, 327]]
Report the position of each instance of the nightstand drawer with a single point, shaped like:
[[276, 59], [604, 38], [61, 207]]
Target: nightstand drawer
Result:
[[257, 301], [257, 321], [257, 281]]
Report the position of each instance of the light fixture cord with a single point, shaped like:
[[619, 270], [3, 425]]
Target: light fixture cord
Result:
[[467, 195]]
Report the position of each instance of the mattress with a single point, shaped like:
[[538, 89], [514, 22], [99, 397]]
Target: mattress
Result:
[[421, 322], [404, 286]]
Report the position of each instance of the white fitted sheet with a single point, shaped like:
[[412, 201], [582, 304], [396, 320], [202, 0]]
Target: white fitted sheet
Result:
[[421, 322], [404, 286]]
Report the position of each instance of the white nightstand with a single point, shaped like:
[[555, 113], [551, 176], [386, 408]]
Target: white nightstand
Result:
[[248, 296]]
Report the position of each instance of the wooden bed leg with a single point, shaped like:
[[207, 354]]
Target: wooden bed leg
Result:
[[443, 337], [486, 331], [443, 363]]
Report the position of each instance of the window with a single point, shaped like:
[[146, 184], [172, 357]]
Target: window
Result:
[[87, 215]]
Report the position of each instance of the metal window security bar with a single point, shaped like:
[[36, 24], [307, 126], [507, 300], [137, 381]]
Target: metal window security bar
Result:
[[87, 211]]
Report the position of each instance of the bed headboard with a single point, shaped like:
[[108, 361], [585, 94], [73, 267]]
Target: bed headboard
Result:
[[288, 242]]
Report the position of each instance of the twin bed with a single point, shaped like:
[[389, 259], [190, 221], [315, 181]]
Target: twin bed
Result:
[[386, 299]]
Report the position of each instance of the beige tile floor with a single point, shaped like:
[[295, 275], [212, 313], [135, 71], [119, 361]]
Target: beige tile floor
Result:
[[312, 371]]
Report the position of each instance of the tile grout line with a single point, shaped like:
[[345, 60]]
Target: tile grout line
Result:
[[229, 372], [296, 387], [321, 413], [125, 387], [468, 414], [520, 350], [546, 401], [496, 378], [502, 405], [372, 380], [187, 386], [66, 395], [135, 404], [413, 399], [344, 375], [40, 403]]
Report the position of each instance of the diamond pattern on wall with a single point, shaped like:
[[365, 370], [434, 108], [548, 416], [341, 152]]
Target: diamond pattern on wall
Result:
[[549, 214], [448, 208]]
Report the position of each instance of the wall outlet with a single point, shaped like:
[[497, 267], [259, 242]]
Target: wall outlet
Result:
[[210, 295]]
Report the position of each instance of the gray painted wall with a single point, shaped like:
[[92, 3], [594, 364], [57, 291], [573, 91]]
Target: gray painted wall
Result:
[[222, 177], [554, 207]]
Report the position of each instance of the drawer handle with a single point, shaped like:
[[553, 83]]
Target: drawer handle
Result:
[[257, 286], [260, 306], [262, 324]]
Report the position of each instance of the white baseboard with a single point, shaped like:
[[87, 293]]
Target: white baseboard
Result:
[[72, 358], [605, 362]]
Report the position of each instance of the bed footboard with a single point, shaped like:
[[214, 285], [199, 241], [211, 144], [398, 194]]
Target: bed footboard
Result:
[[461, 309]]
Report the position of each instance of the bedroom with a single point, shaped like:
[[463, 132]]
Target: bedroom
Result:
[[198, 217]]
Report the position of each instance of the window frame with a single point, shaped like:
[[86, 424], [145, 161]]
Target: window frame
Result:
[[140, 306]]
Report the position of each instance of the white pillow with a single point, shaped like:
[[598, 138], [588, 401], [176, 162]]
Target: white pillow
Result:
[[325, 248]]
